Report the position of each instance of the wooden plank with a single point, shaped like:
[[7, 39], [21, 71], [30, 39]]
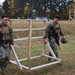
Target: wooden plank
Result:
[[16, 57], [45, 65], [50, 49], [30, 58], [21, 39], [29, 40], [51, 57], [25, 67], [17, 30]]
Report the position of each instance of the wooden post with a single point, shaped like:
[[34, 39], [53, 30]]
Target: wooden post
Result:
[[29, 40], [74, 14], [43, 39], [10, 23], [69, 14]]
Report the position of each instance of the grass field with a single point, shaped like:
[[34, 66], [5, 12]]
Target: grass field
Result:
[[66, 52]]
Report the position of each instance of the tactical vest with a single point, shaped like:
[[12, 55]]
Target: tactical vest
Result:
[[55, 30], [6, 33]]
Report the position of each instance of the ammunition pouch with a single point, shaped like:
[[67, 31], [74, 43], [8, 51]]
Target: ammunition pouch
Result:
[[6, 33], [57, 28]]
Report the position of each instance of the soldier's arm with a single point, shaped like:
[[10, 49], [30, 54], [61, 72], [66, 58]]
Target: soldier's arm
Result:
[[61, 33], [47, 30], [11, 36]]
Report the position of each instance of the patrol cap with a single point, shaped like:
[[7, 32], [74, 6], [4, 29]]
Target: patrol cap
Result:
[[57, 16]]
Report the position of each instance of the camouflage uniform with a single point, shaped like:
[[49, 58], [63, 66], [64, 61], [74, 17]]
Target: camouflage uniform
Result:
[[6, 38], [52, 33]]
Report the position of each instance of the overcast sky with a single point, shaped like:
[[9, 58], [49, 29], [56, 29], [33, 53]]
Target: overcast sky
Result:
[[1, 1]]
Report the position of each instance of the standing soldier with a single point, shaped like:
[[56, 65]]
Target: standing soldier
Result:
[[6, 38], [33, 14], [27, 11], [48, 13], [52, 33]]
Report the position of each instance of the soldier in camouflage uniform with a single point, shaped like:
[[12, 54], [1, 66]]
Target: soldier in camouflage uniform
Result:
[[6, 38], [52, 33]]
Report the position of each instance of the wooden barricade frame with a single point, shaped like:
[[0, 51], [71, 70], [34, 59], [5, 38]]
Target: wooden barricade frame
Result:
[[17, 60]]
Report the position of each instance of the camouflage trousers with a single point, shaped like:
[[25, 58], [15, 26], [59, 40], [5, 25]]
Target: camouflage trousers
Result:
[[53, 46], [4, 55]]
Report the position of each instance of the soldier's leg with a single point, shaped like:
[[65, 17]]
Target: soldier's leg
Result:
[[55, 50], [53, 46], [5, 57], [6, 53], [2, 62], [3, 67]]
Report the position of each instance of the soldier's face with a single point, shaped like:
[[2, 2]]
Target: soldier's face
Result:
[[56, 20], [5, 20]]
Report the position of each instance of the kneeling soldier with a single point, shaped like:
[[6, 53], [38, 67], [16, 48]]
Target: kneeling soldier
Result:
[[6, 38]]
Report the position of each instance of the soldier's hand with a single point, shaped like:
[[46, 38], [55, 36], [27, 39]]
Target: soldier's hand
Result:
[[65, 37], [45, 41], [12, 43], [63, 40]]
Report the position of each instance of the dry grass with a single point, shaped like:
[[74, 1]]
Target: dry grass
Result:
[[67, 52]]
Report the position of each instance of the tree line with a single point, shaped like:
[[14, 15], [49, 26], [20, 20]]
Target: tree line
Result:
[[60, 7]]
